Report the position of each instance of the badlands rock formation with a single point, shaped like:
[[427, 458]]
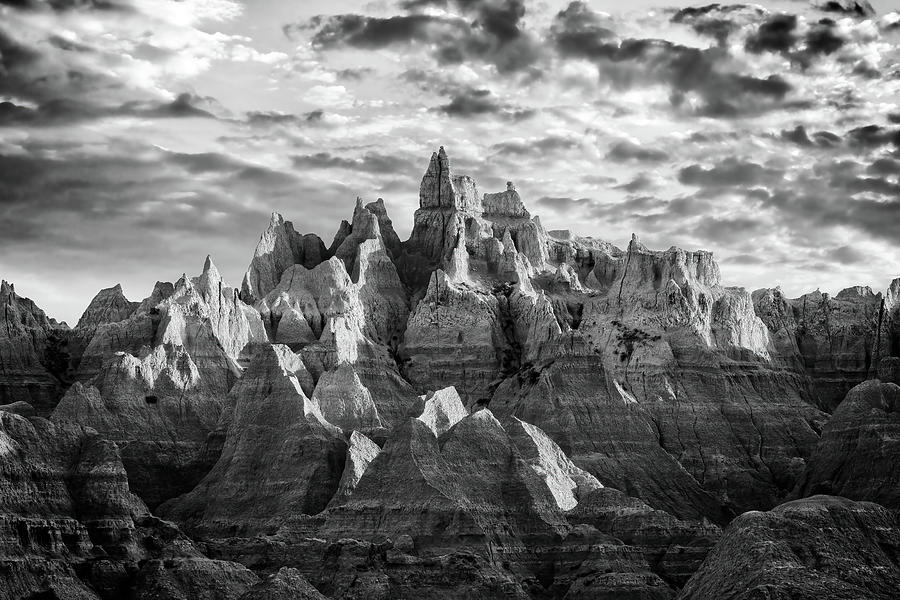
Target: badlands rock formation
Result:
[[486, 409], [818, 547], [858, 455]]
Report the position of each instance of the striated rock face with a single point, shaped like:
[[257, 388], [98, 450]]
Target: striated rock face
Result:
[[286, 584], [453, 338], [858, 455], [472, 484], [109, 306], [837, 341], [441, 410], [673, 549], [360, 454], [279, 248], [34, 357], [71, 528], [280, 457], [819, 547], [162, 385], [566, 482]]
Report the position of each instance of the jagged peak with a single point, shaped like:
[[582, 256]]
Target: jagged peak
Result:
[[635, 245], [275, 220], [210, 272], [442, 410], [856, 291], [184, 283], [7, 288], [892, 297], [505, 204]]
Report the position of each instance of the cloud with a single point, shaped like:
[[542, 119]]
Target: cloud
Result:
[[747, 259], [872, 136], [640, 183], [731, 172], [563, 204], [858, 8], [629, 151], [723, 230], [470, 102], [716, 20], [710, 74], [56, 112], [265, 118], [797, 135], [69, 60], [368, 163], [490, 31], [777, 34], [846, 255], [537, 148]]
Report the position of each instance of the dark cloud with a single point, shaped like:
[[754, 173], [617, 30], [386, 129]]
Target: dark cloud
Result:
[[55, 112], [776, 34], [68, 5], [846, 255], [635, 207], [490, 31], [727, 173], [717, 20], [603, 180], [858, 8], [629, 151], [470, 102], [579, 31], [826, 138], [884, 166], [357, 74], [147, 202], [280, 118], [821, 39], [836, 194], [724, 230], [797, 135], [368, 163], [747, 259], [872, 136], [563, 204], [536, 148], [779, 34], [640, 183], [709, 72]]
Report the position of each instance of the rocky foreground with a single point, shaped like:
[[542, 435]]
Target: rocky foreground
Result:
[[486, 410]]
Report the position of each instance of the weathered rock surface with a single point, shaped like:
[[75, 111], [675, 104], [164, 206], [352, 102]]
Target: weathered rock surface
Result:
[[472, 484], [286, 584], [280, 457], [361, 451], [163, 384], [838, 340], [109, 306], [34, 358], [487, 409], [279, 248], [70, 527], [858, 455], [818, 547]]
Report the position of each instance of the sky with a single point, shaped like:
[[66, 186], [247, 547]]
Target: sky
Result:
[[138, 136]]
